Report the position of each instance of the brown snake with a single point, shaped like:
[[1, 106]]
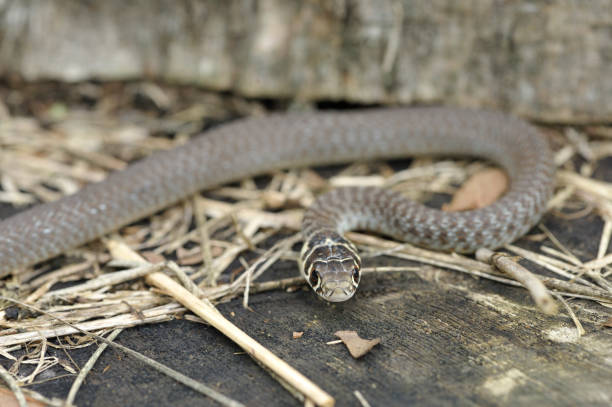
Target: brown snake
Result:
[[258, 145]]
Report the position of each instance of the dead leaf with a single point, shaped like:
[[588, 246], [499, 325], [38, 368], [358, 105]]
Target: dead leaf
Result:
[[7, 399], [297, 335], [480, 190], [153, 257], [356, 346]]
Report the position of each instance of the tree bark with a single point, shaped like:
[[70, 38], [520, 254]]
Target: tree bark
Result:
[[547, 60]]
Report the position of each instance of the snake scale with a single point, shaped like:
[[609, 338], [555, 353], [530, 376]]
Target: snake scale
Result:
[[258, 145]]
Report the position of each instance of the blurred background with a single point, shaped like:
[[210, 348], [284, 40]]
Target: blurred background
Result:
[[546, 60], [86, 87]]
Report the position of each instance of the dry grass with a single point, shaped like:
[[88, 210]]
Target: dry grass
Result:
[[222, 240]]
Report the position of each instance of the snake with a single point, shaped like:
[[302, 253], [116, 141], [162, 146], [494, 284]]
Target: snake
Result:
[[252, 146]]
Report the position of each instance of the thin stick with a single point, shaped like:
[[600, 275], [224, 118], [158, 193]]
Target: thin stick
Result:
[[579, 327], [569, 289], [554, 265], [184, 279], [604, 242], [599, 263], [41, 360], [204, 239], [595, 187], [536, 288], [106, 280], [156, 314], [362, 400], [247, 283], [281, 284], [584, 297], [76, 385], [560, 245]]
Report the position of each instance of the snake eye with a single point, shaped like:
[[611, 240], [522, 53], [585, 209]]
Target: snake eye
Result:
[[356, 274], [314, 278]]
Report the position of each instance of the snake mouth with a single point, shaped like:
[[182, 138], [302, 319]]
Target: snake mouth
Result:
[[337, 291]]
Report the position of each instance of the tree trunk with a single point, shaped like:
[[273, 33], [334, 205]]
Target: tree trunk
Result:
[[551, 61]]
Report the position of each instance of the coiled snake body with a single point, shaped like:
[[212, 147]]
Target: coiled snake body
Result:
[[258, 145]]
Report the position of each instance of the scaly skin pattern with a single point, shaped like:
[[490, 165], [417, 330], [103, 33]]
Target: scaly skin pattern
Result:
[[258, 145]]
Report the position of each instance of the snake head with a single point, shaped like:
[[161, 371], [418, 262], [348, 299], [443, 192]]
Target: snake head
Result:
[[332, 268]]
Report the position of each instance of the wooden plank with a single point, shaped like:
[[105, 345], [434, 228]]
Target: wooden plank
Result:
[[446, 339]]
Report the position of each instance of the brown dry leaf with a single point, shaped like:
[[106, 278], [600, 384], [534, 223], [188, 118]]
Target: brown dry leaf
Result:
[[480, 190], [356, 346], [7, 399], [297, 335], [153, 257]]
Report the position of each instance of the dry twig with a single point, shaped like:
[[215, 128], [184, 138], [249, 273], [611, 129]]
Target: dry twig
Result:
[[538, 291]]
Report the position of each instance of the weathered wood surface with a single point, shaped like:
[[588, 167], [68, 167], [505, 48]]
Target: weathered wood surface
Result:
[[447, 339], [546, 60]]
